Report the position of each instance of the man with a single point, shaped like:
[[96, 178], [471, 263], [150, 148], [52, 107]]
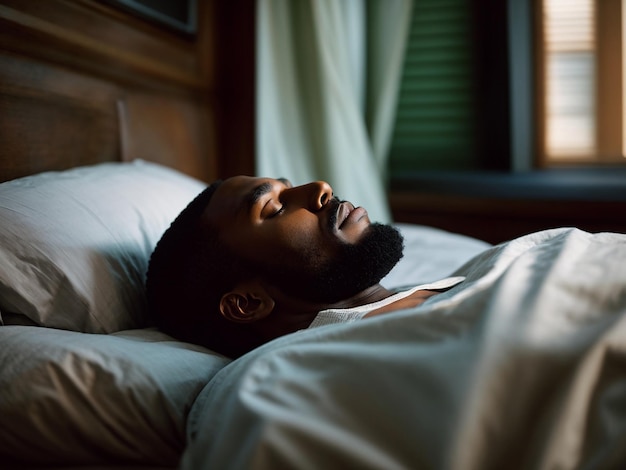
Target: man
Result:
[[252, 259]]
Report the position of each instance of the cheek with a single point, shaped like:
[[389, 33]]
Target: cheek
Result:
[[300, 242], [292, 238], [291, 241]]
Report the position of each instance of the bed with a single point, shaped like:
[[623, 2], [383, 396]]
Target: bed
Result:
[[523, 365], [86, 379], [525, 362]]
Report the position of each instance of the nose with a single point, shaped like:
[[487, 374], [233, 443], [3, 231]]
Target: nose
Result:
[[314, 196]]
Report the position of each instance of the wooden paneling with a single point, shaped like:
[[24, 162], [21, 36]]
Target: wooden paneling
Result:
[[97, 38], [52, 119], [235, 57], [82, 82], [170, 131]]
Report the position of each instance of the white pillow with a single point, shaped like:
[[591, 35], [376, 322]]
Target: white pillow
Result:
[[430, 254], [69, 398], [75, 245]]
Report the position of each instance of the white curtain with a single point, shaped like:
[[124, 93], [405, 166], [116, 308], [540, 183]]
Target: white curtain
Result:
[[328, 77]]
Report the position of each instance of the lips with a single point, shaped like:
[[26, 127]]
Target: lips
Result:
[[343, 211], [347, 214]]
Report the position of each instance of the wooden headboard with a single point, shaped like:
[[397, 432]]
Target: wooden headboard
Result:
[[85, 81]]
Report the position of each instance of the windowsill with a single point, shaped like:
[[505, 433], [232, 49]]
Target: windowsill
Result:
[[495, 206], [570, 184]]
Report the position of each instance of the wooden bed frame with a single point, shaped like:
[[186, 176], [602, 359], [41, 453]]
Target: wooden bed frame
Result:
[[84, 81]]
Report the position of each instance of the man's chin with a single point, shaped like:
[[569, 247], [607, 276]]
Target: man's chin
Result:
[[357, 266]]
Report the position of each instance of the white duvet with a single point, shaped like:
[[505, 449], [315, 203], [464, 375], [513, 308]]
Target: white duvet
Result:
[[523, 365]]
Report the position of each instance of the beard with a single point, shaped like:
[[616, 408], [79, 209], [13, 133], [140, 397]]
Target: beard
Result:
[[354, 268]]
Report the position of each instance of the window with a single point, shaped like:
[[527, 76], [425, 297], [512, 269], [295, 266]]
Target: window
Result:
[[579, 86], [511, 86]]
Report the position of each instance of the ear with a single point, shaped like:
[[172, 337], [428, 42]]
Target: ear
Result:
[[246, 303]]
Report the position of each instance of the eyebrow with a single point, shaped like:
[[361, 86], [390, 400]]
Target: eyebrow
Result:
[[261, 190], [256, 194]]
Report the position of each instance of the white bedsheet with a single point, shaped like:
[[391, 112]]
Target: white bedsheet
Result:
[[521, 366]]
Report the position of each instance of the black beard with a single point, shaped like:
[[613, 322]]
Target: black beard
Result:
[[355, 268]]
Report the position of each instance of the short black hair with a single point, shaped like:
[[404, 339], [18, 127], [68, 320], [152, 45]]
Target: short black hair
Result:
[[189, 271]]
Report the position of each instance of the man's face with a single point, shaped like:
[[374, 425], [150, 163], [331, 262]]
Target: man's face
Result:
[[302, 239]]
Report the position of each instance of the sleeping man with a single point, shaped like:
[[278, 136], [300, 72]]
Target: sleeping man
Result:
[[252, 259]]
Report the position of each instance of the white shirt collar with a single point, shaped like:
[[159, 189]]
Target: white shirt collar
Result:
[[347, 315]]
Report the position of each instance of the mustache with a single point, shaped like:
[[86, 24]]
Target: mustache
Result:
[[333, 207]]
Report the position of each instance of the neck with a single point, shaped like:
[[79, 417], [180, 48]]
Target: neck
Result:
[[367, 296], [291, 314]]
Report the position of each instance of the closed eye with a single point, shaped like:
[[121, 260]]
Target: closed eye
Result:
[[278, 212]]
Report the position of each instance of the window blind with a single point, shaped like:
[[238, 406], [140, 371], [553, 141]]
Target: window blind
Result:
[[434, 125], [570, 74]]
